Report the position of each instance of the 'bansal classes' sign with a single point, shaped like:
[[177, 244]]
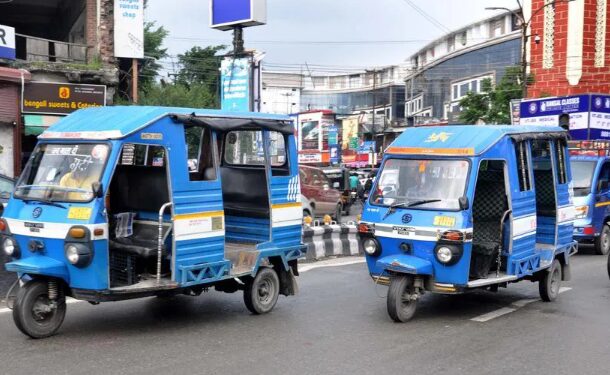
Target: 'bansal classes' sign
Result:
[[226, 14], [129, 28], [61, 98], [599, 122], [546, 111], [7, 42]]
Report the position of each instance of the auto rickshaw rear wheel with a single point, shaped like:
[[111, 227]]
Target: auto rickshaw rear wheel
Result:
[[401, 304], [550, 283], [261, 294], [609, 266], [35, 314], [602, 243]]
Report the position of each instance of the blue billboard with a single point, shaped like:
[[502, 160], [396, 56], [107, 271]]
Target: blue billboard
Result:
[[235, 85], [588, 115], [226, 14], [7, 42]]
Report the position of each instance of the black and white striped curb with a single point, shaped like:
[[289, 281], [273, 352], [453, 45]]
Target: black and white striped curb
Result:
[[331, 240]]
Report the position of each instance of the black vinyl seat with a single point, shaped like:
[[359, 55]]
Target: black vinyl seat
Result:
[[144, 240]]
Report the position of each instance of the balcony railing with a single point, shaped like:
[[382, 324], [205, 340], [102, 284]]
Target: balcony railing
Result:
[[31, 48]]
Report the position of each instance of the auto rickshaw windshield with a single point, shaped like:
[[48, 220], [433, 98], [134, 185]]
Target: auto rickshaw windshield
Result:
[[428, 184], [582, 175], [62, 172]]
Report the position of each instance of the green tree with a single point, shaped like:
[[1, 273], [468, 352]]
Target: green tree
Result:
[[200, 66], [178, 95], [492, 104], [153, 51]]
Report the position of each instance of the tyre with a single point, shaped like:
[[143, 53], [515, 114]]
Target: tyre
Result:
[[602, 243], [401, 307], [260, 296], [347, 209], [608, 266], [35, 314], [337, 216], [551, 282]]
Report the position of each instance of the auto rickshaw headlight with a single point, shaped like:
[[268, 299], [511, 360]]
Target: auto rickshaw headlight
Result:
[[10, 247], [448, 254], [79, 255], [371, 247]]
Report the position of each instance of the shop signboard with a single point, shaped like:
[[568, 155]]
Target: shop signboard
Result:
[[226, 14], [366, 147], [129, 29], [61, 98], [235, 84], [7, 42]]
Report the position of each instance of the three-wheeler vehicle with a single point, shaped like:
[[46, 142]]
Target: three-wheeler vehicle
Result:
[[590, 162], [125, 202], [472, 207]]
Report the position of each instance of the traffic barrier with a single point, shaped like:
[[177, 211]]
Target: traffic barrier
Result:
[[331, 240]]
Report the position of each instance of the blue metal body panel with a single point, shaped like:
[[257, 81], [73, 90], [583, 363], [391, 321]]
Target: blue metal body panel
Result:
[[195, 259], [475, 144]]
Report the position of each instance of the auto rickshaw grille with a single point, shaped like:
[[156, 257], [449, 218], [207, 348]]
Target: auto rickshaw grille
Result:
[[122, 269]]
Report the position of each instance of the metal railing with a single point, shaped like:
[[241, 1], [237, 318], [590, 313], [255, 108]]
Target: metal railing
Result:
[[30, 48]]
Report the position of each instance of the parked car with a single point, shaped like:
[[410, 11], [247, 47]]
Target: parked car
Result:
[[6, 188], [339, 178], [322, 198]]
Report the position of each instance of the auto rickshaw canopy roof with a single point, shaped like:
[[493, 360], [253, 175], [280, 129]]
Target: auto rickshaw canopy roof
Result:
[[117, 122], [465, 140]]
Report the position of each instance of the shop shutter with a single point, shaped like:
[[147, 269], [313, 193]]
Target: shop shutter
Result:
[[9, 105]]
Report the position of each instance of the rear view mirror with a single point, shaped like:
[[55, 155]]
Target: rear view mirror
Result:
[[464, 203], [97, 189]]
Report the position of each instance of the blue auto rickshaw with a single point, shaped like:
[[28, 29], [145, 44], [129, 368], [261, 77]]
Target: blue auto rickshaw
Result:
[[125, 202], [469, 207]]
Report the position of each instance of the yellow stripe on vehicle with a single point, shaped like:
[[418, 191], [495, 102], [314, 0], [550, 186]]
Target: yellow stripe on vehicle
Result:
[[286, 205], [199, 215], [602, 204]]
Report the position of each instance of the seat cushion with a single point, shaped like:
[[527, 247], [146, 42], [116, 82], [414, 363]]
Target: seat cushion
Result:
[[144, 248]]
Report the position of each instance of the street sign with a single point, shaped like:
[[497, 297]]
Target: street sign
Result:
[[226, 14], [7, 42], [335, 154], [129, 29], [235, 84], [333, 133], [61, 98]]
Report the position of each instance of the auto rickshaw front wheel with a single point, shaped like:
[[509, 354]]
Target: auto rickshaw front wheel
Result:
[[609, 266], [402, 299], [550, 283], [35, 313], [261, 294]]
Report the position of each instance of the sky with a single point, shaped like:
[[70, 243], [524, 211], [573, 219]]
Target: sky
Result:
[[317, 32]]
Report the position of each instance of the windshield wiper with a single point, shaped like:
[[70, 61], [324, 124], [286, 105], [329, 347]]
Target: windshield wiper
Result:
[[44, 201], [418, 203], [393, 208]]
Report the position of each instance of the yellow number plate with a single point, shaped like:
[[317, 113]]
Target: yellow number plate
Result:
[[444, 221], [79, 213]]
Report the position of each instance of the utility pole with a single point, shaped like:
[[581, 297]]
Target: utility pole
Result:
[[525, 24]]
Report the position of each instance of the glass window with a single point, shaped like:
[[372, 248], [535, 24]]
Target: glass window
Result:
[[430, 184], [464, 88], [245, 147], [521, 150], [582, 176], [6, 187], [200, 154], [63, 172]]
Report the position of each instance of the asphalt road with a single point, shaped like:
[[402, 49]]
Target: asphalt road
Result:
[[337, 325]]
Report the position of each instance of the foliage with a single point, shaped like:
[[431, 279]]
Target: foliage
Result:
[[200, 66], [153, 40], [492, 104], [178, 95]]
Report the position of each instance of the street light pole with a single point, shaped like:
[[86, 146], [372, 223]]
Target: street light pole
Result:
[[525, 24]]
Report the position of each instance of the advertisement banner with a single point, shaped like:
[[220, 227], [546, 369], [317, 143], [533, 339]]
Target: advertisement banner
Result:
[[365, 147], [335, 154], [515, 111], [599, 121], [129, 28], [235, 84], [7, 42], [225, 14], [547, 111], [350, 134], [61, 98], [333, 135]]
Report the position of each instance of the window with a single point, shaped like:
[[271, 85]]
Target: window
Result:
[[562, 176], [464, 88], [604, 177], [245, 147], [521, 150], [142, 155], [451, 44], [200, 154]]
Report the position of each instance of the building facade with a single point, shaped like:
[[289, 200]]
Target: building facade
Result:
[[573, 53], [65, 42], [445, 70]]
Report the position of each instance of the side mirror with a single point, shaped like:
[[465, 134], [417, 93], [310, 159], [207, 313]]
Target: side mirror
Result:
[[336, 185], [464, 203], [97, 188]]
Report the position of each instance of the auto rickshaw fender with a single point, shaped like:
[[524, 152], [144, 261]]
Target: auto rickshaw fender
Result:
[[39, 265], [403, 263]]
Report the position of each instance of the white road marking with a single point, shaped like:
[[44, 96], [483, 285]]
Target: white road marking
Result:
[[337, 262], [68, 301], [513, 307]]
